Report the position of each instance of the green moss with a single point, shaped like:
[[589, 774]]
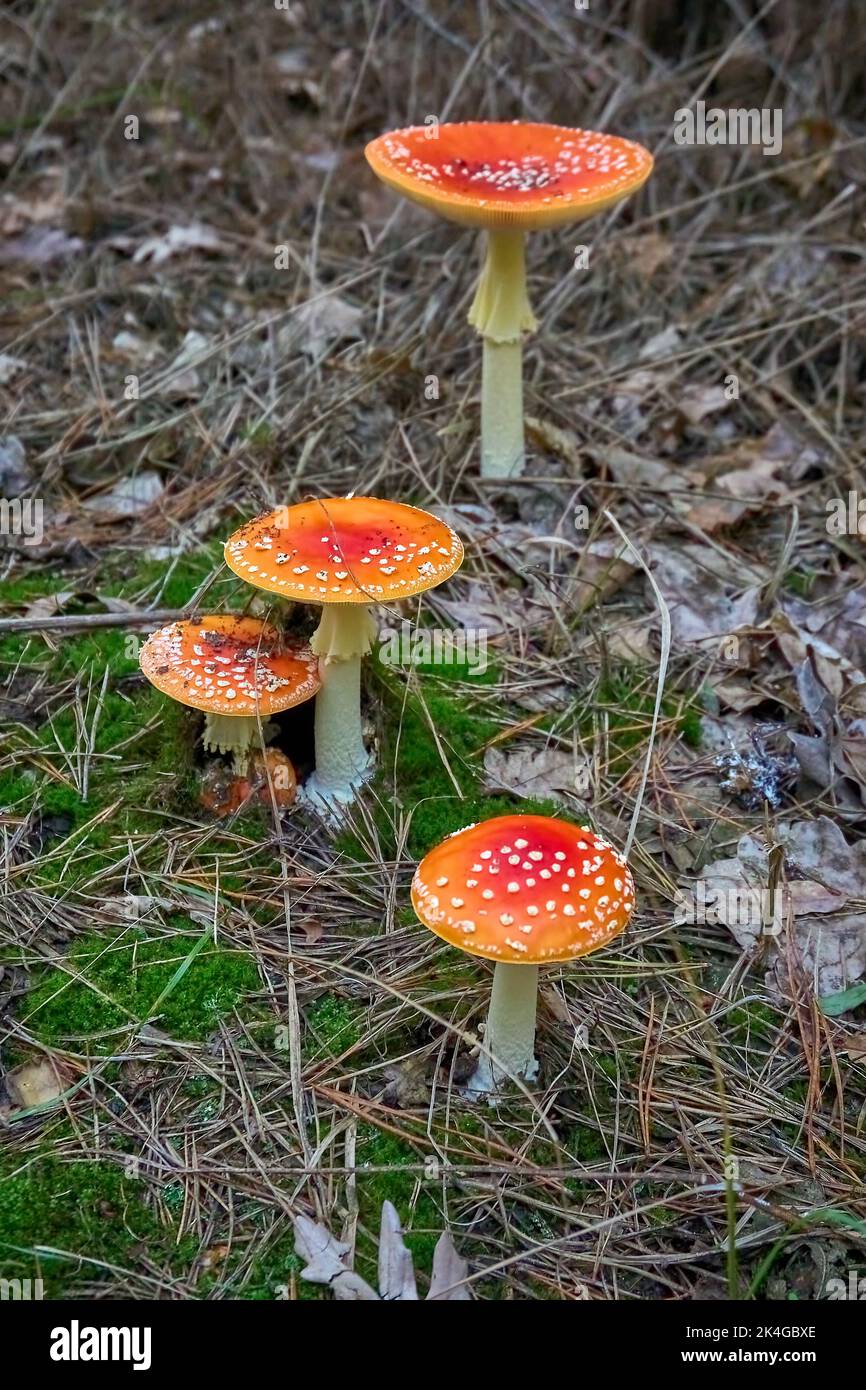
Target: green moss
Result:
[[586, 1144], [627, 700], [109, 985], [173, 581], [800, 581], [258, 434], [276, 1274], [438, 777], [15, 787], [334, 1024], [419, 1214], [752, 1021], [438, 817], [89, 1211]]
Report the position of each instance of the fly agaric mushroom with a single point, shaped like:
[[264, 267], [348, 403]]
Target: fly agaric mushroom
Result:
[[507, 178], [238, 670], [345, 553], [524, 891], [224, 791]]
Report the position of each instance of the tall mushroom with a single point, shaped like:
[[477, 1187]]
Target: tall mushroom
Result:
[[524, 891], [238, 670], [507, 178], [346, 554]]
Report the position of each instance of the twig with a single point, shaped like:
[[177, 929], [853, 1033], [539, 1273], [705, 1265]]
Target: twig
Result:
[[75, 622]]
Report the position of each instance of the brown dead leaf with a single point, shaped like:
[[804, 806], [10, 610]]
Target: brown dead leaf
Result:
[[37, 1083], [49, 605], [646, 252], [313, 929], [529, 772], [323, 321], [696, 402], [326, 1264], [406, 1084], [824, 873], [630, 469], [749, 477], [563, 443], [40, 246], [701, 605], [177, 241]]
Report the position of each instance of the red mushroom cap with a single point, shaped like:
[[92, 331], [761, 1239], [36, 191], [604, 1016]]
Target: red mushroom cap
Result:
[[509, 174], [345, 550], [230, 665], [525, 889]]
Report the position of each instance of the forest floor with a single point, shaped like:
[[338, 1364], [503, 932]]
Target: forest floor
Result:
[[211, 1025]]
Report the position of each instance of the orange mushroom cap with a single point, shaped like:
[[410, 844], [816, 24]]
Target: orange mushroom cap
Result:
[[525, 889], [345, 550], [514, 174], [230, 665]]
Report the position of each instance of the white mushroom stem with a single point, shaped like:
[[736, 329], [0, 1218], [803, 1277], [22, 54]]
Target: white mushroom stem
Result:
[[343, 637], [501, 313], [509, 1037]]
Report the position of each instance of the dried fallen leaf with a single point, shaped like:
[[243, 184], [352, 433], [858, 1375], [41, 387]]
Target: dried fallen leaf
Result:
[[564, 443], [396, 1275], [49, 604], [530, 772], [40, 246], [10, 367], [406, 1084], [313, 929], [646, 252], [630, 469], [323, 321], [701, 605], [37, 1083], [750, 477], [325, 1262], [129, 496], [182, 377], [15, 474], [177, 241], [696, 402], [823, 874]]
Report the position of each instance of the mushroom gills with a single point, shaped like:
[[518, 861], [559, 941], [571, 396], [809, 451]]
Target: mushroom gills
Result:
[[235, 734], [509, 1038]]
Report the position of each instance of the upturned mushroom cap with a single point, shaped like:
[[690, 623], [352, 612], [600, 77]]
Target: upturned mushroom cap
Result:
[[230, 665], [345, 550], [524, 889], [509, 174]]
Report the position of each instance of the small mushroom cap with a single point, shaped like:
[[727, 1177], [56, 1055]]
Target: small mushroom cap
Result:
[[526, 889], [345, 550], [230, 665], [515, 174]]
